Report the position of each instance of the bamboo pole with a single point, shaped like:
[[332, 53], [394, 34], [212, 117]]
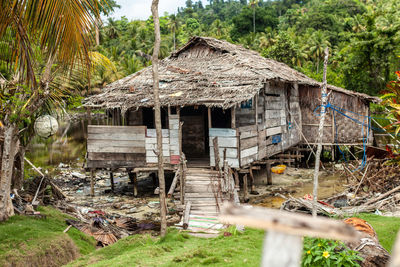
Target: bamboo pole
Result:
[[324, 100]]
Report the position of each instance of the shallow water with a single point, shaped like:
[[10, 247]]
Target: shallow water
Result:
[[67, 146], [328, 186]]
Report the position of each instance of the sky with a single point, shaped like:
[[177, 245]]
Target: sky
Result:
[[140, 9]]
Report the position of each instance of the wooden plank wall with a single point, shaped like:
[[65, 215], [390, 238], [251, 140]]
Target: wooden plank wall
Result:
[[227, 138], [115, 146], [170, 143], [248, 136], [174, 139], [278, 109], [347, 130]]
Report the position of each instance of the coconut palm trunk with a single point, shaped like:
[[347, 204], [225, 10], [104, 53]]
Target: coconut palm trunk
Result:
[[9, 150], [157, 113]]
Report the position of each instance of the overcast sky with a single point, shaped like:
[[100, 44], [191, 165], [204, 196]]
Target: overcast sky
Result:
[[140, 9]]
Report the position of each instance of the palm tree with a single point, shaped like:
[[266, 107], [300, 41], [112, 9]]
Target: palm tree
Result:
[[318, 43], [48, 38], [253, 4], [173, 24]]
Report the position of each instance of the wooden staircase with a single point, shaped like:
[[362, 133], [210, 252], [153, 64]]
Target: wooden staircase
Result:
[[201, 189]]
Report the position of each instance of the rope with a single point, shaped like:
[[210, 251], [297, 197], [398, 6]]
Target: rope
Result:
[[365, 123]]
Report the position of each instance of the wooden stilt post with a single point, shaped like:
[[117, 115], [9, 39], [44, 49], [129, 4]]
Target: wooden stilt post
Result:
[[236, 174], [269, 174], [233, 117], [112, 181], [135, 184], [209, 118], [252, 186], [92, 182], [245, 187]]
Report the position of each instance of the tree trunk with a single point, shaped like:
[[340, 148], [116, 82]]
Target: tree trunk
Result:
[[10, 148], [157, 114], [174, 41], [320, 135], [19, 167]]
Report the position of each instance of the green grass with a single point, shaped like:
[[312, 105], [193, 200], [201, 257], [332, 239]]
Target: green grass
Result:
[[180, 249], [24, 236], [385, 227]]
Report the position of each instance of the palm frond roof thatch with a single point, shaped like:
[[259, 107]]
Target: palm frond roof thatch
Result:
[[206, 71]]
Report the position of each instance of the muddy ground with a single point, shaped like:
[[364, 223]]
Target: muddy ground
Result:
[[295, 182], [76, 184]]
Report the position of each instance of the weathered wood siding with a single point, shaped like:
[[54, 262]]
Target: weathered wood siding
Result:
[[248, 136], [170, 143], [227, 139], [277, 119], [348, 132], [116, 146]]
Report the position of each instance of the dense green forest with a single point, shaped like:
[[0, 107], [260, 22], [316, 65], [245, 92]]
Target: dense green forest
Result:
[[363, 37]]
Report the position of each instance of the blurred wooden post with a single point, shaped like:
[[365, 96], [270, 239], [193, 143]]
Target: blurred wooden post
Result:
[[269, 174], [233, 117], [112, 181], [245, 187], [395, 259], [283, 243], [92, 182]]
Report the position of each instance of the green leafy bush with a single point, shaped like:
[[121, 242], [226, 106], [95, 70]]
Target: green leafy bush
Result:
[[322, 252]]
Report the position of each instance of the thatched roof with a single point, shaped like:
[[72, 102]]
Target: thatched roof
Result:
[[205, 71]]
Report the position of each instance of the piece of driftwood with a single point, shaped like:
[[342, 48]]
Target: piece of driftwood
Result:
[[367, 245], [186, 215], [383, 196], [306, 206], [67, 229], [287, 222], [283, 241], [173, 184]]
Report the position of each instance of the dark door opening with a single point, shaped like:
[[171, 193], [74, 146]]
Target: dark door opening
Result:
[[195, 133]]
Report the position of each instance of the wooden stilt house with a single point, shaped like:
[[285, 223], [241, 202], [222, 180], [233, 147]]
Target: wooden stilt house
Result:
[[257, 108]]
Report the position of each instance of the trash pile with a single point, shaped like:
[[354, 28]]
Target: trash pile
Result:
[[105, 228], [107, 216], [376, 188]]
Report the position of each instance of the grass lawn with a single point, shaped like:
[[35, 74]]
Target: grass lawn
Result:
[[26, 240], [29, 241], [385, 227], [180, 249]]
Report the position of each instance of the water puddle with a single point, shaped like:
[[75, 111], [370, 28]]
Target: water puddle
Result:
[[328, 186]]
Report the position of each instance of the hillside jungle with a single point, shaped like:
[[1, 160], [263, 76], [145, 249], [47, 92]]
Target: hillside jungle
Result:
[[43, 72]]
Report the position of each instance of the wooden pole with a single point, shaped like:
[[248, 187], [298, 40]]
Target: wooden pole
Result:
[[112, 181], [186, 215], [245, 187], [324, 101], [173, 184], [256, 109], [281, 249], [233, 117], [135, 184], [252, 186], [92, 182], [209, 118], [236, 174], [269, 174], [157, 113]]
